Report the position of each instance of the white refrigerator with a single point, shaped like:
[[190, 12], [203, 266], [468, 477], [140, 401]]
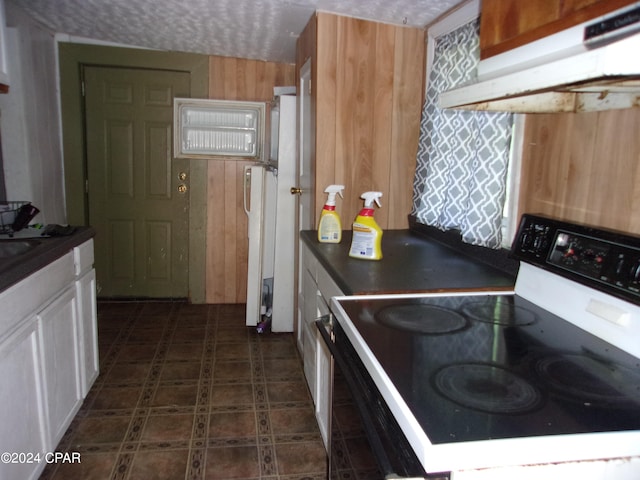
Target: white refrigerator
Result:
[[271, 208]]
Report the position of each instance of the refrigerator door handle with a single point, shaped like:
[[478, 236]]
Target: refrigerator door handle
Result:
[[246, 185]]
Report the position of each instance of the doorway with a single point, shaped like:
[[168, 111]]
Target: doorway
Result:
[[137, 191], [306, 179], [306, 128], [76, 58]]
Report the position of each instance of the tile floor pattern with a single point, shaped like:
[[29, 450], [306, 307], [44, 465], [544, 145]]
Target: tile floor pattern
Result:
[[188, 392]]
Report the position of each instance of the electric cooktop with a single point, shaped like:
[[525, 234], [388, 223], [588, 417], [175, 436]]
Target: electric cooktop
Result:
[[477, 367]]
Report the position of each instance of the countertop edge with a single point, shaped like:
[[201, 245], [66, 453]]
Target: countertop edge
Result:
[[52, 248], [328, 266]]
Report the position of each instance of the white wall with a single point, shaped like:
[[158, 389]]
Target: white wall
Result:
[[30, 118]]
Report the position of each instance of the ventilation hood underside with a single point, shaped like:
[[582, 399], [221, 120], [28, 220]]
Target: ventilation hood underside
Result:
[[603, 78]]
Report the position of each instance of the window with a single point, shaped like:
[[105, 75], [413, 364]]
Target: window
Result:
[[465, 173]]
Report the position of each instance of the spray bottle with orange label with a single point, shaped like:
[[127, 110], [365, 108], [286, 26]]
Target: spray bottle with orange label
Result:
[[329, 226], [367, 235]]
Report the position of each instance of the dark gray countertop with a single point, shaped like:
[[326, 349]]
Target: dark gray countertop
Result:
[[15, 268], [411, 263]]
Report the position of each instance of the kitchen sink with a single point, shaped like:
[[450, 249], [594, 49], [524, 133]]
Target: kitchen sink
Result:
[[13, 248]]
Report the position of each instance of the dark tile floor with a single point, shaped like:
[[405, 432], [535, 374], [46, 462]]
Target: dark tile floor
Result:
[[188, 392]]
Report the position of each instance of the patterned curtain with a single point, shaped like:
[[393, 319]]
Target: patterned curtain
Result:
[[463, 156]]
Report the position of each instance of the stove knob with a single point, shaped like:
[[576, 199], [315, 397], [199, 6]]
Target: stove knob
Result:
[[635, 271], [620, 265]]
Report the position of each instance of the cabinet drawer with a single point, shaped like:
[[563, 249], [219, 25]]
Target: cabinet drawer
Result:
[[328, 288], [83, 257], [309, 261], [36, 290]]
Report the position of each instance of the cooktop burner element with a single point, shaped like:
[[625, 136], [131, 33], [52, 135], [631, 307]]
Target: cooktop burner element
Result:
[[499, 311], [589, 381], [487, 388], [421, 318]]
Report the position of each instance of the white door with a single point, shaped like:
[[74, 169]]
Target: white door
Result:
[[305, 127], [286, 233], [305, 184], [137, 200], [272, 231]]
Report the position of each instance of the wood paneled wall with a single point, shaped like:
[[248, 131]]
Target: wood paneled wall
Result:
[[367, 94], [367, 82], [226, 229], [584, 167]]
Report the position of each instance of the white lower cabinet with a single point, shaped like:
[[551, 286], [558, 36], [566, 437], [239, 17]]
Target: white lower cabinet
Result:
[[324, 381], [87, 326], [317, 288], [22, 416], [58, 324], [310, 312], [48, 359]]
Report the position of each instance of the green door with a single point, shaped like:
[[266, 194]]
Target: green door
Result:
[[137, 192]]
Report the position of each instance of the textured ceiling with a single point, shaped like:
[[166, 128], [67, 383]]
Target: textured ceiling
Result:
[[257, 29]]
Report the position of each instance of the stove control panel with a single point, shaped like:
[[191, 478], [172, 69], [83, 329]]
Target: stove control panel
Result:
[[603, 259]]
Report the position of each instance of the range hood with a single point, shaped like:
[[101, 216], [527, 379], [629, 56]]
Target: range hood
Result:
[[593, 66]]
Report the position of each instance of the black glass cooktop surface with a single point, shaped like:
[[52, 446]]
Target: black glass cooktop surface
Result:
[[497, 366]]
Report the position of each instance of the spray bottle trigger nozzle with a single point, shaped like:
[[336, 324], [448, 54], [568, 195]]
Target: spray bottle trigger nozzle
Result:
[[370, 197], [332, 190]]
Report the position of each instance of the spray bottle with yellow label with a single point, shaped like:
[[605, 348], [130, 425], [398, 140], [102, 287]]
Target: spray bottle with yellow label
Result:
[[329, 226], [367, 235]]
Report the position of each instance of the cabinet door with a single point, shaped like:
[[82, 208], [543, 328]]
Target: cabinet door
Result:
[[22, 414], [310, 292], [88, 330], [61, 362], [307, 291], [324, 380]]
